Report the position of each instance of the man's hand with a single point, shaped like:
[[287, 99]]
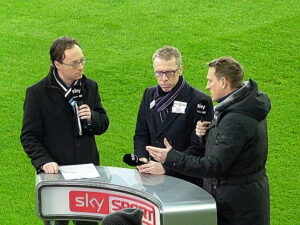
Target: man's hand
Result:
[[144, 160], [201, 128], [152, 168], [159, 154], [50, 167], [84, 112]]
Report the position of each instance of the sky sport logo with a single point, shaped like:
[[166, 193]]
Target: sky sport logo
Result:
[[105, 203]]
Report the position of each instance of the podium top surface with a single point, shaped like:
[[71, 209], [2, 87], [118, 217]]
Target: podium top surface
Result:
[[168, 190], [165, 200]]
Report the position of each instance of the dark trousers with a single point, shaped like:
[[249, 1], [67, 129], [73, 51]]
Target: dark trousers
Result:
[[67, 222]]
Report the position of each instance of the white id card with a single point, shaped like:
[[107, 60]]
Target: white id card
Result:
[[179, 107]]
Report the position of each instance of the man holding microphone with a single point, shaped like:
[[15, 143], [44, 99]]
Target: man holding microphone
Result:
[[62, 113], [236, 150]]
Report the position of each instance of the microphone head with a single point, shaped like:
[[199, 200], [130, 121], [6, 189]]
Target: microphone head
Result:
[[132, 160], [202, 107], [77, 93]]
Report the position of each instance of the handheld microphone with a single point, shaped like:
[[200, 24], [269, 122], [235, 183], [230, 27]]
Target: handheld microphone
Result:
[[77, 96], [202, 109], [132, 160]]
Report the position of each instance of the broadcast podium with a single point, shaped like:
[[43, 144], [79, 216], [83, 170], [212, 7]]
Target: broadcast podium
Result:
[[165, 200]]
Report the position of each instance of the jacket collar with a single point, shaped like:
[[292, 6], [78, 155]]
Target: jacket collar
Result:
[[235, 96], [50, 83], [55, 93]]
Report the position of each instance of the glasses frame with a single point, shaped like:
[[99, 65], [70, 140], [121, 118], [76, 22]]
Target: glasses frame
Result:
[[75, 65], [160, 74]]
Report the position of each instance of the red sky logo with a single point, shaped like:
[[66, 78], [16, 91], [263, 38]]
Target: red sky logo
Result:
[[105, 203], [85, 201]]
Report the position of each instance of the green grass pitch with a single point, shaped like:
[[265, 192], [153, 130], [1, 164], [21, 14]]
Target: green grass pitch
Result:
[[119, 38]]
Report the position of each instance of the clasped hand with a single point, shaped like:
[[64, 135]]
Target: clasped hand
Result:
[[84, 112], [201, 128]]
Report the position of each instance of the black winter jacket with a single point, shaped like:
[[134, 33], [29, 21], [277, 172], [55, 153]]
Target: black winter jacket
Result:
[[179, 129], [235, 158], [48, 127]]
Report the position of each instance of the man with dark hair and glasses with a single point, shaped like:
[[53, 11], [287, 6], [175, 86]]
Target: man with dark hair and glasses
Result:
[[169, 110], [62, 113]]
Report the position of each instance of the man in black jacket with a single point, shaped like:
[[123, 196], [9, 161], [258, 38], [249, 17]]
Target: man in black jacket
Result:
[[169, 110], [62, 113], [236, 148]]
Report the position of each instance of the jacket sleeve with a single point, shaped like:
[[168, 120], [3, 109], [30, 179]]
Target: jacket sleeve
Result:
[[224, 151], [99, 119], [32, 132], [142, 135]]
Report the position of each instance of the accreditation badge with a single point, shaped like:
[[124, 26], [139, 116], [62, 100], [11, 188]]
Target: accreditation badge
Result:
[[179, 107]]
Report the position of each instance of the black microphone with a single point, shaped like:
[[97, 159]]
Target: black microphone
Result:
[[132, 160], [202, 109], [77, 96]]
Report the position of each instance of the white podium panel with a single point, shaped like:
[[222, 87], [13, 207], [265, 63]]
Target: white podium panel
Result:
[[164, 200]]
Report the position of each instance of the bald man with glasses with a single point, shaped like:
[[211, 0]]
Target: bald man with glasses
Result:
[[169, 110], [62, 114]]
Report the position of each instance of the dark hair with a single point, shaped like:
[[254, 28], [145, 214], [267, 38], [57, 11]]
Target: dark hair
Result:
[[57, 49], [167, 53], [229, 68]]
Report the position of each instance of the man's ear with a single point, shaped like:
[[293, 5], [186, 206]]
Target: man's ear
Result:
[[225, 82], [181, 67], [57, 64]]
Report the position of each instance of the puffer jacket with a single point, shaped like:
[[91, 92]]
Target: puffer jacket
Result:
[[235, 157]]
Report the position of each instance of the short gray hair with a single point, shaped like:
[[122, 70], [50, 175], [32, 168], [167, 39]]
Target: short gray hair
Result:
[[167, 53]]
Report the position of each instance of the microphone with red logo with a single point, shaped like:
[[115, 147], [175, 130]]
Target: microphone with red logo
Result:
[[202, 109], [77, 96], [132, 160]]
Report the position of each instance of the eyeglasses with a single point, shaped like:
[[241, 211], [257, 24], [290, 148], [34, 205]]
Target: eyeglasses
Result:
[[168, 74], [75, 65]]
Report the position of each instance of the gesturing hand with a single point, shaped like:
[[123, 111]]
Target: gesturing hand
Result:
[[159, 154]]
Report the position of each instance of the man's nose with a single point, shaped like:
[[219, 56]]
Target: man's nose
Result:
[[164, 77], [80, 67], [207, 87]]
